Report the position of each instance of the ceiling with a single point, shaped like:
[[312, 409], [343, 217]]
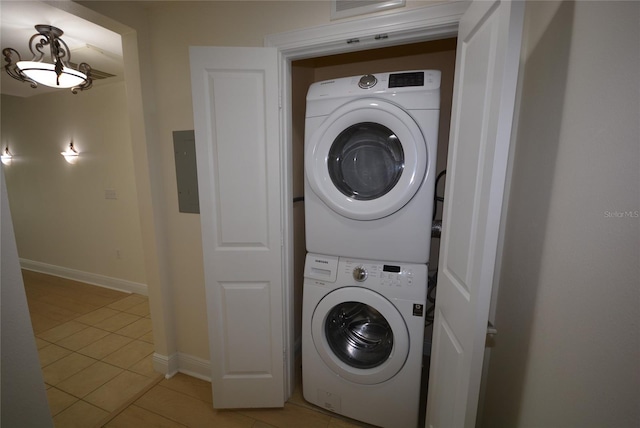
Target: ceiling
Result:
[[88, 42]]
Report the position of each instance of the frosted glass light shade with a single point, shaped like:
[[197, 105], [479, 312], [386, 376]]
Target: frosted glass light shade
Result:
[[6, 156], [44, 73], [71, 154]]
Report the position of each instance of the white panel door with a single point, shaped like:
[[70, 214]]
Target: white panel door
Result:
[[487, 62], [235, 103]]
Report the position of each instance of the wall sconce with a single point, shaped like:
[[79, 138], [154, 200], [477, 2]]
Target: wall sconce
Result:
[[71, 154], [6, 156]]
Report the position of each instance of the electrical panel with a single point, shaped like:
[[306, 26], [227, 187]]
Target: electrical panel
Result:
[[184, 149]]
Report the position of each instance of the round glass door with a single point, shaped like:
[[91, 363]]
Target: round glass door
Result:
[[360, 335], [366, 160]]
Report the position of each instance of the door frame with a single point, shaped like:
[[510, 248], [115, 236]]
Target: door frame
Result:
[[431, 22], [152, 224]]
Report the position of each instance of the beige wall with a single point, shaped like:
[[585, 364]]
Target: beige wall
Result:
[[567, 353], [61, 216]]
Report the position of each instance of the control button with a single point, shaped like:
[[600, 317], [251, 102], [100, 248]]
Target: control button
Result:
[[359, 273], [367, 81]]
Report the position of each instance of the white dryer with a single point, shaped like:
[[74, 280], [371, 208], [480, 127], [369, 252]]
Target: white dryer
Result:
[[370, 156], [362, 338]]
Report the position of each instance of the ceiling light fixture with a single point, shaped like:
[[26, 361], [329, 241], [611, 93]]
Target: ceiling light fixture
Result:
[[56, 74]]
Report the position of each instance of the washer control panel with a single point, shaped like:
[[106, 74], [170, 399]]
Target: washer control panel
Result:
[[406, 281], [374, 274]]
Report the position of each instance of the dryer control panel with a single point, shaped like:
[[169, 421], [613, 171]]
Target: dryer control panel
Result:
[[400, 87]]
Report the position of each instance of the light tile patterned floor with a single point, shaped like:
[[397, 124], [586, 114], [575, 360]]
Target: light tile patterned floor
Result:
[[95, 347]]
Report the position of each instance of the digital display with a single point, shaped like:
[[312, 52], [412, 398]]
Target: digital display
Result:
[[401, 80], [390, 268]]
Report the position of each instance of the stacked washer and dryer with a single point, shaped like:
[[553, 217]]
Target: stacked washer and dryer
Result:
[[370, 156]]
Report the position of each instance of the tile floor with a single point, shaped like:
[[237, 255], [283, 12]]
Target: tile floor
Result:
[[95, 347]]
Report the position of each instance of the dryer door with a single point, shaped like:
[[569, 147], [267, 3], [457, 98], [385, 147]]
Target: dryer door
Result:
[[367, 159], [360, 335]]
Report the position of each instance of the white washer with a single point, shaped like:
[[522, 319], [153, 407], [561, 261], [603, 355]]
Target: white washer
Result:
[[362, 338], [370, 156]]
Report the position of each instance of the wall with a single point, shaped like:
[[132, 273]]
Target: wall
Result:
[[63, 221], [24, 401], [567, 351]]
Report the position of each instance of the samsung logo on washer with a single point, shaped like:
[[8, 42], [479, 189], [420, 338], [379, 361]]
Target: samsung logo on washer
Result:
[[321, 261]]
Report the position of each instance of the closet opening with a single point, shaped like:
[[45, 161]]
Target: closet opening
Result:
[[438, 55]]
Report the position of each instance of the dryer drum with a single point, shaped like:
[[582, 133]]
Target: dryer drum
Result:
[[359, 335], [366, 161]]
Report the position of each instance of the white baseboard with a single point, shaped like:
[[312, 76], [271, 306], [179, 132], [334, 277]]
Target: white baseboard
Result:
[[182, 363], [167, 364], [88, 277], [194, 366]]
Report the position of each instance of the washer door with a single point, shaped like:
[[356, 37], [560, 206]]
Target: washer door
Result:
[[360, 335], [367, 159]]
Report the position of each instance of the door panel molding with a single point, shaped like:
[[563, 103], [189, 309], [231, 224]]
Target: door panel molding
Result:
[[237, 130], [487, 62]]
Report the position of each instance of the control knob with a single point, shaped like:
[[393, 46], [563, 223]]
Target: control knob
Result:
[[360, 273], [367, 81]]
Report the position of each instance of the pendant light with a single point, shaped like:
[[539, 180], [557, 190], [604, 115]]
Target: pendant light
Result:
[[58, 73]]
